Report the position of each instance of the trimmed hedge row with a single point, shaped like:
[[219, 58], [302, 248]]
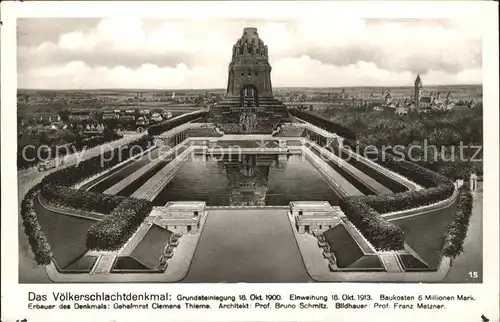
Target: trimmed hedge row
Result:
[[116, 228], [364, 212], [412, 171], [80, 199], [32, 228], [73, 174], [55, 188], [100, 139], [23, 163], [457, 229], [159, 128], [383, 235], [420, 175], [409, 199], [438, 186], [323, 123]]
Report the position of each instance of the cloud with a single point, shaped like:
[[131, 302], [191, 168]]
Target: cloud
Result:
[[153, 53]]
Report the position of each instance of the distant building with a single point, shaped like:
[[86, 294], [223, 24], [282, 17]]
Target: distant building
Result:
[[466, 103], [41, 118], [432, 102], [388, 100], [401, 110]]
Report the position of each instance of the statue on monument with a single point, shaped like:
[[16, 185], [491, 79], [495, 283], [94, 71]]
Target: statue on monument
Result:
[[245, 48], [265, 51]]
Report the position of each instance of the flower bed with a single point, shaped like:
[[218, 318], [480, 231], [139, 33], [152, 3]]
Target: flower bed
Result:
[[114, 230], [457, 229]]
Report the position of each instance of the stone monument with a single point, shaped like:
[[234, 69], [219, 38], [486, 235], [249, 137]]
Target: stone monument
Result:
[[249, 105]]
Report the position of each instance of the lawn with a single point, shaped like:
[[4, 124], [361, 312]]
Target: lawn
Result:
[[425, 233], [81, 265], [345, 248], [66, 235]]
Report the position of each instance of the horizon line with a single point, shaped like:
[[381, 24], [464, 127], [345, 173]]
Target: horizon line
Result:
[[195, 89]]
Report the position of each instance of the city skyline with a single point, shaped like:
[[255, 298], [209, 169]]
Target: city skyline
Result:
[[86, 54]]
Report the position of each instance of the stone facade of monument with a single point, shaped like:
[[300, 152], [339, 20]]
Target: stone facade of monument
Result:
[[249, 65], [249, 106]]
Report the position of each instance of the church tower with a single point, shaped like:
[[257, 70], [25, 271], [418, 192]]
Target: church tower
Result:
[[418, 91]]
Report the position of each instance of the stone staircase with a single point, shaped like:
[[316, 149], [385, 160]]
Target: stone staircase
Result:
[[269, 110], [390, 262], [104, 264]]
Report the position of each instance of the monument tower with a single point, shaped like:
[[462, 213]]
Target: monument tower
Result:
[[249, 106], [249, 70]]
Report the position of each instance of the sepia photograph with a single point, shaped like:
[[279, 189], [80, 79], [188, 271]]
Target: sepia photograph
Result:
[[258, 151], [249, 161]]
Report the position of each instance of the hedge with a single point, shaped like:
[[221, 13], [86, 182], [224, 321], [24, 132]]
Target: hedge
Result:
[[409, 199], [365, 211], [55, 188], [159, 128], [99, 139], [323, 123], [457, 229], [438, 187], [36, 237], [124, 214], [383, 235], [23, 163], [80, 199], [420, 175], [73, 174], [116, 229]]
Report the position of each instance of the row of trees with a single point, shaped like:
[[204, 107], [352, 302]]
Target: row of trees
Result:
[[37, 145], [437, 133]]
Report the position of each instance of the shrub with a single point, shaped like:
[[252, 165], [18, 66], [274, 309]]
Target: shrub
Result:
[[80, 199], [114, 230], [382, 234], [36, 237], [457, 229]]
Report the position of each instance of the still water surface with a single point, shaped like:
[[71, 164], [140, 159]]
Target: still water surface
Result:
[[253, 180]]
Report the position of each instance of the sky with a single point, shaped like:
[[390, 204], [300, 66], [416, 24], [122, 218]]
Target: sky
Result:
[[91, 53]]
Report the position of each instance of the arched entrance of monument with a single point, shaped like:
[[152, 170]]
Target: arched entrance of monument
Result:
[[249, 96]]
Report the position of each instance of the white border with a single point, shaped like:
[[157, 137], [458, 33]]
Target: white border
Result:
[[14, 296]]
